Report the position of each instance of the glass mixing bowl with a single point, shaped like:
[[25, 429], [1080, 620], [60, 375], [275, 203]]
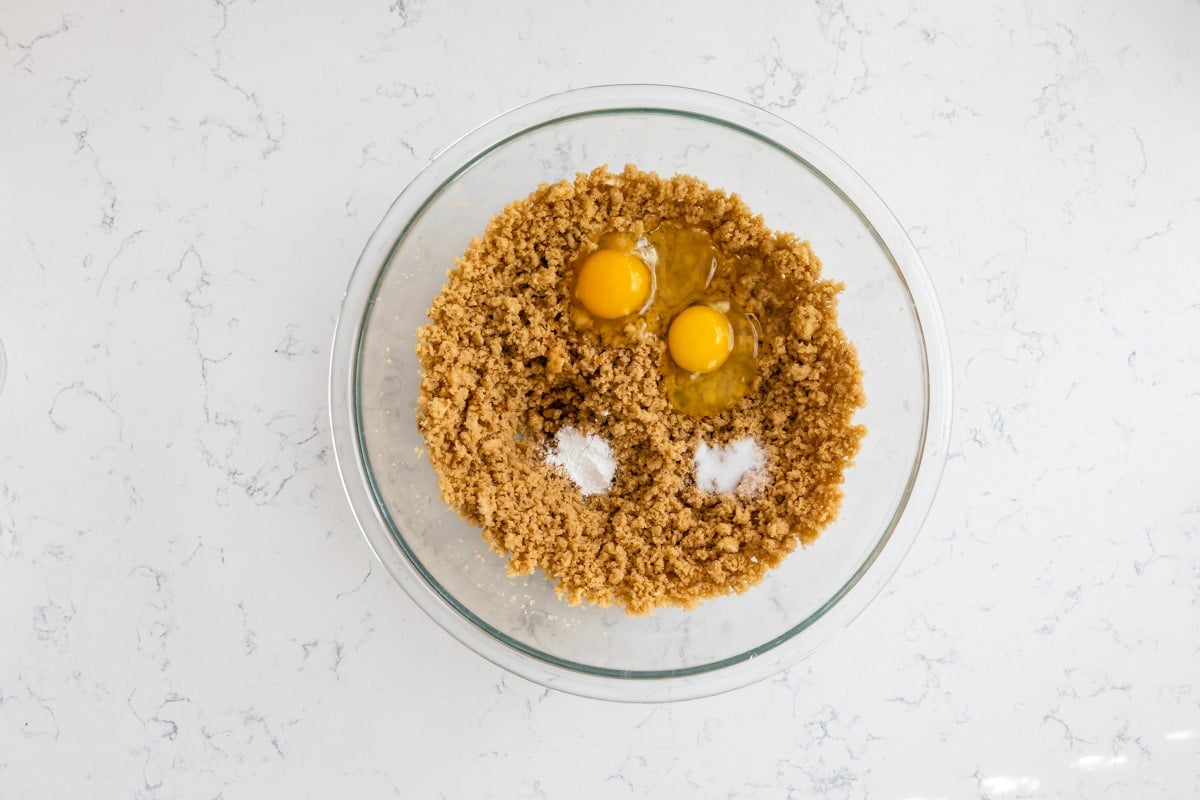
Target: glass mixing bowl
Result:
[[888, 309]]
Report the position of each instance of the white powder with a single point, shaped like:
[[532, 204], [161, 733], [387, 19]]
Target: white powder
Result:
[[726, 469], [588, 460]]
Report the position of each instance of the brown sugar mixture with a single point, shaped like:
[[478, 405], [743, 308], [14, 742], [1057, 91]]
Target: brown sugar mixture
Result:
[[508, 361]]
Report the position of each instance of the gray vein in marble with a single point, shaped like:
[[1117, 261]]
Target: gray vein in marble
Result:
[[407, 11], [28, 46], [274, 138], [125, 244], [79, 390], [781, 85]]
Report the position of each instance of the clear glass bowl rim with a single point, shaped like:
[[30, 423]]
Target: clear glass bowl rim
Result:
[[639, 686]]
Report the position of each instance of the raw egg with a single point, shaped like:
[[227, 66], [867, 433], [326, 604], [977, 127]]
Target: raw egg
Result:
[[613, 284], [673, 283], [700, 393], [700, 339]]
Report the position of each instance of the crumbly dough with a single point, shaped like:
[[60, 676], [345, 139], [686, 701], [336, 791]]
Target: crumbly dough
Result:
[[504, 368]]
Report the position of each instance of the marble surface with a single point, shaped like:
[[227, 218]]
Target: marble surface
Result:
[[187, 609]]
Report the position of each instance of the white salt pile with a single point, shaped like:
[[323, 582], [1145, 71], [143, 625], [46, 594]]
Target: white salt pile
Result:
[[587, 460], [737, 465]]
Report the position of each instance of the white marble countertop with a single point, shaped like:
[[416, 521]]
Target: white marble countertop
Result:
[[187, 609]]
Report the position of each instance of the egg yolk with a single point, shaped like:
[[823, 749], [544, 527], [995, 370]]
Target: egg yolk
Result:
[[700, 339], [613, 284]]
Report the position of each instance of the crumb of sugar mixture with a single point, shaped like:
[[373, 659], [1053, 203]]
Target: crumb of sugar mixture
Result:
[[504, 369]]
